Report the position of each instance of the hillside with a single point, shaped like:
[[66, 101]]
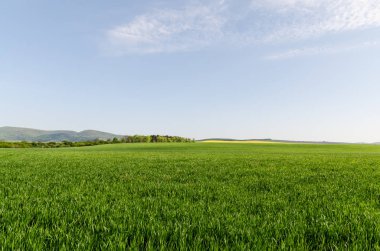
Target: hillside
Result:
[[27, 134]]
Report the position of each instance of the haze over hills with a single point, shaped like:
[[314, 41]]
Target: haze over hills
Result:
[[8, 133], [26, 134]]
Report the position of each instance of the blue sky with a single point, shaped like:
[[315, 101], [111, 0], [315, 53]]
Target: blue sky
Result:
[[281, 69]]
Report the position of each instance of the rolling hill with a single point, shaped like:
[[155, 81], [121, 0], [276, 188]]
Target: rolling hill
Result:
[[27, 134]]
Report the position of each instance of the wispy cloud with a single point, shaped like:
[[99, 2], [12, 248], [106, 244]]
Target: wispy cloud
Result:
[[323, 50], [243, 22], [313, 18], [169, 30]]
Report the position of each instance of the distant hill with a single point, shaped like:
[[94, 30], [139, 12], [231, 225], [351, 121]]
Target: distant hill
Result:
[[26, 134]]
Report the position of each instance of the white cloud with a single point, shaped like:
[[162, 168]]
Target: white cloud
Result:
[[284, 5], [303, 19], [169, 30], [241, 22]]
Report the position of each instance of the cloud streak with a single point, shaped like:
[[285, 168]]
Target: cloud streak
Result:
[[243, 23], [323, 50]]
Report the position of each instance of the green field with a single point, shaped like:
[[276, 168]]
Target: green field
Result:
[[191, 196]]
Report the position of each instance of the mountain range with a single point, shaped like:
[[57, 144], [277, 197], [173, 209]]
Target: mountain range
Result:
[[26, 134]]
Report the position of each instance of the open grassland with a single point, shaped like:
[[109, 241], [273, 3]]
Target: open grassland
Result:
[[241, 141], [191, 196]]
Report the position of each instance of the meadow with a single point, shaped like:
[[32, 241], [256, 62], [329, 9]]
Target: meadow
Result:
[[191, 196]]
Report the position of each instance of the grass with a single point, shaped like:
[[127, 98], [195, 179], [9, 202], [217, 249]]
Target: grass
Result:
[[191, 196], [241, 141]]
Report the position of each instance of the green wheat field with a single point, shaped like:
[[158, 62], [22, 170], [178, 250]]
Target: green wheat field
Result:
[[191, 196]]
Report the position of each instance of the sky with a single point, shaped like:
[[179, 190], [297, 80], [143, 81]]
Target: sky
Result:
[[280, 69]]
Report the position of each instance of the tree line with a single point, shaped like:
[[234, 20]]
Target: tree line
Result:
[[155, 139], [126, 139]]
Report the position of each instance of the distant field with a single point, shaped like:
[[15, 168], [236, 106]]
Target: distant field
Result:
[[241, 141], [191, 196]]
